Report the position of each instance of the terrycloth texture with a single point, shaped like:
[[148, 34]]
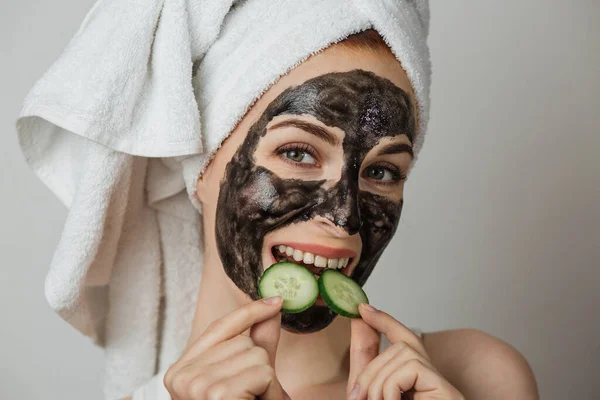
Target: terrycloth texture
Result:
[[123, 123]]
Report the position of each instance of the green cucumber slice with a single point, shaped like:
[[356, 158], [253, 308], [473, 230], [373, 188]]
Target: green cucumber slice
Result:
[[295, 283], [341, 293]]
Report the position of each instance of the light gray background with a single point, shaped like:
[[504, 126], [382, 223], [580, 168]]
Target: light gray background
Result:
[[501, 225]]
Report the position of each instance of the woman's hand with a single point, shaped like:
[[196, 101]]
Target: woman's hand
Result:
[[224, 363], [403, 367]]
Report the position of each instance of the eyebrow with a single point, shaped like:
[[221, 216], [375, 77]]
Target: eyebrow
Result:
[[313, 129], [396, 148]]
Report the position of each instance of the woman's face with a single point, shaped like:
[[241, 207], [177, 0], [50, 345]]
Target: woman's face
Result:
[[314, 173]]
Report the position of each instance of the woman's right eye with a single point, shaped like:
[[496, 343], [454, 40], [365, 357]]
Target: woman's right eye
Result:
[[298, 154]]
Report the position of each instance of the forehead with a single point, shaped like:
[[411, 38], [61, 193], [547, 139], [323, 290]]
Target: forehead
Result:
[[362, 104]]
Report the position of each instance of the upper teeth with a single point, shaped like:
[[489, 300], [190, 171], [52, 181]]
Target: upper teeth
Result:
[[315, 259]]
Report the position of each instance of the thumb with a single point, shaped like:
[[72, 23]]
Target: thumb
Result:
[[266, 333], [364, 347]]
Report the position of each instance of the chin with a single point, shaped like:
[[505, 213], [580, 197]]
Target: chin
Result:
[[311, 320]]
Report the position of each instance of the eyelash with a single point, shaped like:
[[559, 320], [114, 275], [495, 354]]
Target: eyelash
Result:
[[398, 175], [300, 147]]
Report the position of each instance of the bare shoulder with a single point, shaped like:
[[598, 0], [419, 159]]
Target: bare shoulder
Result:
[[480, 365]]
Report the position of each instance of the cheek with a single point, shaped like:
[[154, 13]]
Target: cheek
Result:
[[259, 199], [259, 189], [380, 216], [210, 182], [393, 192]]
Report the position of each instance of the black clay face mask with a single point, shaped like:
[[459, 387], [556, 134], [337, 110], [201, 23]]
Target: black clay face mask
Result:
[[253, 201]]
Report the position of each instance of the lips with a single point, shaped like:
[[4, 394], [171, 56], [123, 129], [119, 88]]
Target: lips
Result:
[[314, 262]]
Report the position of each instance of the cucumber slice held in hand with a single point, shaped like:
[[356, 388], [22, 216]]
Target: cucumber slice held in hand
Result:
[[341, 293], [294, 283]]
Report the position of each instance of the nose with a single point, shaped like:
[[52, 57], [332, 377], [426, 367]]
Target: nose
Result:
[[344, 210]]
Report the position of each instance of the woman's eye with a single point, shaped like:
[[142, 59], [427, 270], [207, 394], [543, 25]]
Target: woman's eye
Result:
[[380, 174], [299, 156]]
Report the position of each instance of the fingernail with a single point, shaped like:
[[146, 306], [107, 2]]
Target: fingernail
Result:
[[273, 300], [354, 393], [369, 307]]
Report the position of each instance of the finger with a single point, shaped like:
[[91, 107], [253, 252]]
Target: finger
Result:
[[225, 350], [233, 324], [200, 377], [266, 335], [414, 374], [256, 381], [185, 371], [364, 347], [374, 383], [384, 364], [393, 329]]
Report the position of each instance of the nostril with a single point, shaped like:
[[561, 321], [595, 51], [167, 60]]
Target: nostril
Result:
[[338, 227]]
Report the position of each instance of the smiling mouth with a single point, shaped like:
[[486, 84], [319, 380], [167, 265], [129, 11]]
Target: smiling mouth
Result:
[[315, 263]]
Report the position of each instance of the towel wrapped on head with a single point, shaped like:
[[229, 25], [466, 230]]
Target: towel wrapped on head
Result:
[[123, 123]]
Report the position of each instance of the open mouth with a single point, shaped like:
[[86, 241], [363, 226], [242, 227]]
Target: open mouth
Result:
[[315, 263]]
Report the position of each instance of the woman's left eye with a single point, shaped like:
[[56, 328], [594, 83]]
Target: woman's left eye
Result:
[[380, 173]]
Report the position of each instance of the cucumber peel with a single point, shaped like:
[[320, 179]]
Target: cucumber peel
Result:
[[299, 289], [293, 282], [341, 293]]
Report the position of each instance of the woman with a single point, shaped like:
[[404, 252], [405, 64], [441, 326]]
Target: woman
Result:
[[318, 164], [313, 171]]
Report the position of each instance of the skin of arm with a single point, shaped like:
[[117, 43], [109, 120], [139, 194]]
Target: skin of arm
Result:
[[480, 365]]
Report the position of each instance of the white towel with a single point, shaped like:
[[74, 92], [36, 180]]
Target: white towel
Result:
[[123, 123]]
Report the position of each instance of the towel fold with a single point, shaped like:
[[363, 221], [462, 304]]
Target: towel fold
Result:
[[123, 123]]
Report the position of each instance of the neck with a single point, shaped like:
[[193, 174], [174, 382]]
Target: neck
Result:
[[321, 356]]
